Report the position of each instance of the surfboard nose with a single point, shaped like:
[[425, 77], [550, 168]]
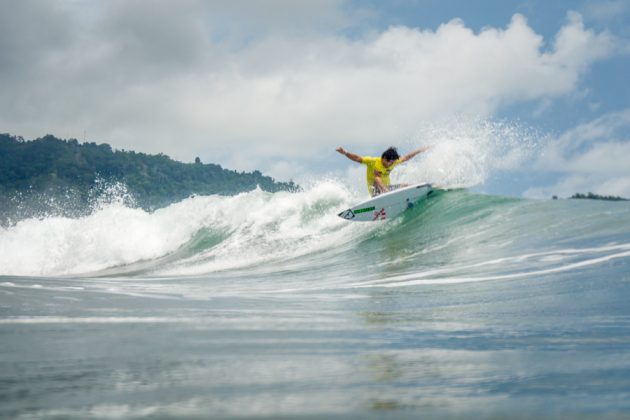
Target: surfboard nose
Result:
[[346, 214]]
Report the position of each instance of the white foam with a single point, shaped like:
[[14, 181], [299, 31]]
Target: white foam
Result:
[[274, 227], [114, 235], [257, 227]]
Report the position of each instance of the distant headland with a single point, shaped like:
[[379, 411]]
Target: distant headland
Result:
[[591, 196], [49, 173]]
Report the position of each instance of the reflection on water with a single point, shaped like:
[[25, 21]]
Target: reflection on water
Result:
[[434, 351]]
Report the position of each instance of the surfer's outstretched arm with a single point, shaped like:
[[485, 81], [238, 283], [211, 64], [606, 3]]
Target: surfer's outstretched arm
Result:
[[349, 155], [414, 153]]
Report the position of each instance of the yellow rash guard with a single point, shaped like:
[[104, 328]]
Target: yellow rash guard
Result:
[[376, 164]]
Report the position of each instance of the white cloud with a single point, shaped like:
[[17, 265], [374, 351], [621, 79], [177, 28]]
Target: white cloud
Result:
[[592, 157], [176, 80], [606, 135]]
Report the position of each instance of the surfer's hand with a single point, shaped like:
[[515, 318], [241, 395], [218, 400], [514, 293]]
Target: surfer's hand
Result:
[[340, 150]]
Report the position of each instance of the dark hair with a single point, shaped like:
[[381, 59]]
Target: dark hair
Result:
[[390, 154]]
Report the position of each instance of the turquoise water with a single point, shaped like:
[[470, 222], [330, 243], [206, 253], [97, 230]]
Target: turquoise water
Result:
[[268, 305]]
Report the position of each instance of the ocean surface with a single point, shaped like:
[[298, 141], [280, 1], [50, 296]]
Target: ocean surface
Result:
[[270, 306]]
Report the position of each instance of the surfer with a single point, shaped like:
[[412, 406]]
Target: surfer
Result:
[[378, 169]]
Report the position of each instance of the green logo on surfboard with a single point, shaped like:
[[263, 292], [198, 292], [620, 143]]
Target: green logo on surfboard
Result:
[[365, 210]]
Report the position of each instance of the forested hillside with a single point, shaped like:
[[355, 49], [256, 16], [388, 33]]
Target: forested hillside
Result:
[[52, 167]]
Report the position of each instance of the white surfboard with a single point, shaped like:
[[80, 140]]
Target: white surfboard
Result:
[[387, 205]]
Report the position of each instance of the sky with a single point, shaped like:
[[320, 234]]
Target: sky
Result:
[[515, 97]]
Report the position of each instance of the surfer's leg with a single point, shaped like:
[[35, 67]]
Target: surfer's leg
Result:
[[380, 185]]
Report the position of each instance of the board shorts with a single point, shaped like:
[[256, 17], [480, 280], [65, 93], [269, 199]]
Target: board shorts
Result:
[[374, 191]]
